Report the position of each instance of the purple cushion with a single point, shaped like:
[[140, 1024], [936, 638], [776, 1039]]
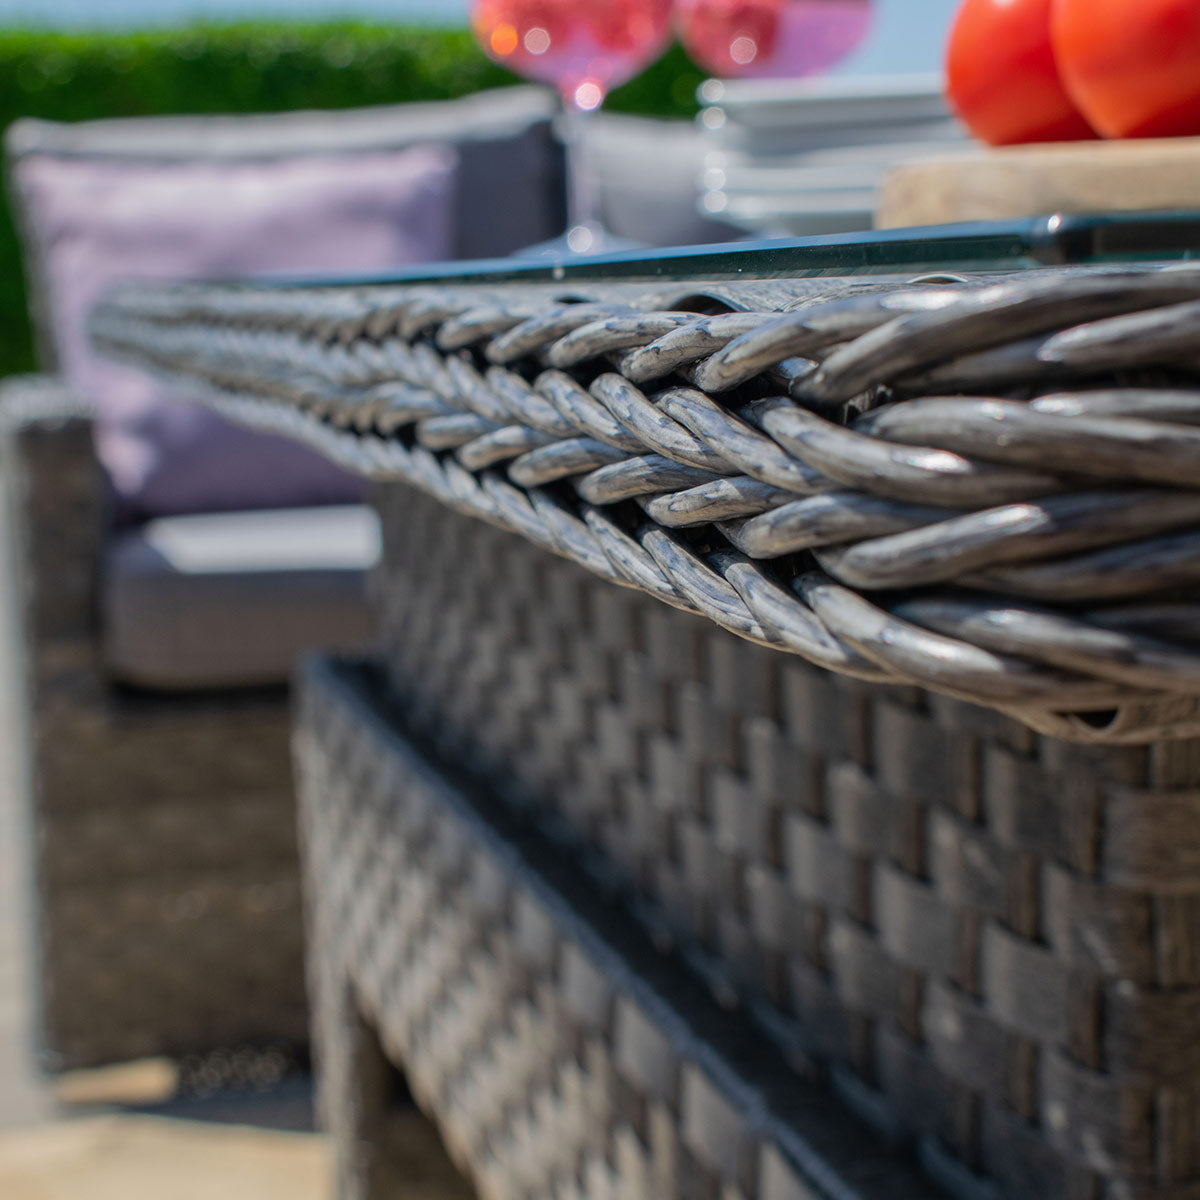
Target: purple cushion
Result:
[[96, 222]]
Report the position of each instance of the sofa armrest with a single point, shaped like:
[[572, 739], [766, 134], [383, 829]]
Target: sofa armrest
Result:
[[53, 517], [40, 401]]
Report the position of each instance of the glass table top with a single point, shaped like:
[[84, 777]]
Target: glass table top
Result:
[[1056, 240]]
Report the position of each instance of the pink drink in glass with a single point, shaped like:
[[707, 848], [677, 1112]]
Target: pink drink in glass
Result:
[[582, 47], [770, 39]]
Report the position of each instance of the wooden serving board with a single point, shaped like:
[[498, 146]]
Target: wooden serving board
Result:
[[1021, 181]]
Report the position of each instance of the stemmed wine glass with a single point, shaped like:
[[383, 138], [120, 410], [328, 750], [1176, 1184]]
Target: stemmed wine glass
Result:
[[584, 48], [770, 39]]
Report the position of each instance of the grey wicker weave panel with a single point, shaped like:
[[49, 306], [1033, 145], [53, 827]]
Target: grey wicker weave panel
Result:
[[560, 1053], [167, 873], [169, 917], [989, 938], [178, 963], [169, 901], [984, 486]]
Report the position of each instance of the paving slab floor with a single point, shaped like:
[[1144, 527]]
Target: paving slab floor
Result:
[[127, 1157]]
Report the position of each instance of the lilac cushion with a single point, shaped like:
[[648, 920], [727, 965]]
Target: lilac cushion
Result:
[[96, 222]]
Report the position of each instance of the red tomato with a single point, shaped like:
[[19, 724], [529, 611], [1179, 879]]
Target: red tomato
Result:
[[1132, 66], [1001, 78]]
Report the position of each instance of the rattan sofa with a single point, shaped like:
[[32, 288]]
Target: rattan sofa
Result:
[[169, 915], [169, 907]]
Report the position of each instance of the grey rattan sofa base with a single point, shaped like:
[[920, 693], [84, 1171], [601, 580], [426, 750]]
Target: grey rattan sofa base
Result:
[[167, 871], [561, 1054]]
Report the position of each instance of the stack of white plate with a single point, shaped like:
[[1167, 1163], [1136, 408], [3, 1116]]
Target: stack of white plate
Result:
[[805, 157]]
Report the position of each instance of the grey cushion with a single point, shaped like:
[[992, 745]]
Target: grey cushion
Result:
[[509, 185], [229, 599]]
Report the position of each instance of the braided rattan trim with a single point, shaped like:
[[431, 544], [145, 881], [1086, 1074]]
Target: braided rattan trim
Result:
[[887, 478]]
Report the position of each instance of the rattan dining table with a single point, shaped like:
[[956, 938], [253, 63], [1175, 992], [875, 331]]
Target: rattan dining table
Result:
[[777, 771]]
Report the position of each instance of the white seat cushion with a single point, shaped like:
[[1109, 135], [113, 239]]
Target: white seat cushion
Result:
[[227, 600]]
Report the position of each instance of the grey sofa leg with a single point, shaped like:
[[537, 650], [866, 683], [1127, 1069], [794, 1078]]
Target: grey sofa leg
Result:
[[358, 1099], [384, 1147]]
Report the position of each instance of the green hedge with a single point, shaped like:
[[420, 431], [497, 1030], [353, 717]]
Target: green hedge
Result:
[[251, 68]]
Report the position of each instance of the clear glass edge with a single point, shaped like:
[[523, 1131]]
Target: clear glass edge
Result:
[[1053, 240]]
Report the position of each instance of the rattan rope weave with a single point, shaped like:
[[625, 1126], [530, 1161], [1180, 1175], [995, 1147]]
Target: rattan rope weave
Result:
[[987, 486]]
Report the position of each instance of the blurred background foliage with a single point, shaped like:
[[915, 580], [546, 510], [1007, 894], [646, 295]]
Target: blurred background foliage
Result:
[[251, 68]]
